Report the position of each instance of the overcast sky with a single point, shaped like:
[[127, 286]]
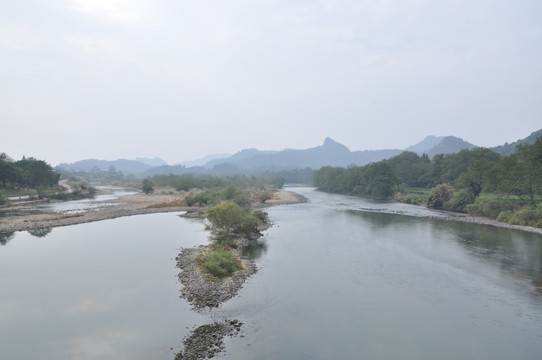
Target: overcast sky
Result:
[[111, 79]]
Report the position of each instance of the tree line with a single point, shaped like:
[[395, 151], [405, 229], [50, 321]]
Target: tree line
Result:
[[26, 173], [468, 174]]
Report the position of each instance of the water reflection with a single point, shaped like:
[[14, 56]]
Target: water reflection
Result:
[[103, 290], [40, 233], [256, 249], [377, 220], [514, 252], [6, 237]]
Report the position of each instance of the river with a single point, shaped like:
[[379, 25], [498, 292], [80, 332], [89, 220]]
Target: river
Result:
[[339, 277]]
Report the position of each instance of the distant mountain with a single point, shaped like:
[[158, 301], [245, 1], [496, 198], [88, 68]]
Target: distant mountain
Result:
[[425, 145], [127, 167], [330, 153], [204, 160], [508, 149], [237, 157], [152, 162], [433, 145], [252, 160], [450, 145]]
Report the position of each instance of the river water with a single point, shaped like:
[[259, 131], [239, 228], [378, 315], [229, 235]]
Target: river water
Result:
[[339, 277]]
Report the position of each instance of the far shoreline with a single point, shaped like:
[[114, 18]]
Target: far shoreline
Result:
[[141, 204], [130, 205]]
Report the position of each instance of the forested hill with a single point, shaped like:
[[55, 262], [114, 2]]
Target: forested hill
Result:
[[508, 149]]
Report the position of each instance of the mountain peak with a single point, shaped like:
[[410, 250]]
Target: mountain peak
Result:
[[330, 143]]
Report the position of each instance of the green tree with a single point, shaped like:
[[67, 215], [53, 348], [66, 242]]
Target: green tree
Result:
[[147, 186], [39, 173], [411, 169], [380, 180], [9, 173], [226, 216], [480, 163], [229, 218], [520, 174]]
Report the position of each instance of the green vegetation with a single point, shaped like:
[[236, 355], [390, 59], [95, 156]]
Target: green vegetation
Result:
[[219, 263], [3, 197], [478, 181], [187, 182], [147, 186], [26, 173], [228, 221], [35, 178]]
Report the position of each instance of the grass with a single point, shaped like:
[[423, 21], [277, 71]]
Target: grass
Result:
[[175, 203], [20, 192], [415, 196], [219, 263]]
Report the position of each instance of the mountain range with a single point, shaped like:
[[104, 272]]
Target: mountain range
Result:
[[253, 160]]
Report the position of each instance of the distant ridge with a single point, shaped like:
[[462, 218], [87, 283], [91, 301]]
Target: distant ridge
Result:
[[508, 149], [248, 161], [450, 145], [330, 153], [433, 145], [125, 166], [204, 160], [156, 161], [425, 145]]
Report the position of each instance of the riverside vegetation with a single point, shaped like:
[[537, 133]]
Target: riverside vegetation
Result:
[[36, 179], [214, 273], [480, 182]]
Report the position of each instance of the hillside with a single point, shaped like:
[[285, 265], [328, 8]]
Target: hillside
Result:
[[508, 149]]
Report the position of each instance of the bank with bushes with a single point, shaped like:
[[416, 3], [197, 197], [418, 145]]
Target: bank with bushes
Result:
[[479, 182]]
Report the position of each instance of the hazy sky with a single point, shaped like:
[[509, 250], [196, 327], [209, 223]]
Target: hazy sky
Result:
[[177, 79]]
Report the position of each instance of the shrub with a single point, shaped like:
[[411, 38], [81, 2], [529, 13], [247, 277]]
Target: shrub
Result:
[[460, 200], [264, 196], [147, 186], [440, 194], [219, 263], [190, 200], [490, 207], [526, 217], [261, 215]]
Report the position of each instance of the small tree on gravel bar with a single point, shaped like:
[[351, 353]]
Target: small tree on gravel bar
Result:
[[148, 186], [233, 219]]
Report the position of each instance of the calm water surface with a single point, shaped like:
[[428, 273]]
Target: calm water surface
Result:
[[103, 290], [337, 282], [340, 278]]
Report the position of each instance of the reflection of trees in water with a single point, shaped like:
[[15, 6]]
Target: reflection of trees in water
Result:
[[518, 253], [378, 220], [6, 237], [40, 232], [255, 250], [537, 283]]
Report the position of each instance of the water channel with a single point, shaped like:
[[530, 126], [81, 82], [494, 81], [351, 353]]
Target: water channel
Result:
[[339, 277]]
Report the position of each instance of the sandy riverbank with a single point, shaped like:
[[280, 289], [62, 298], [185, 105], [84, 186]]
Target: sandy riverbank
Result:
[[163, 200]]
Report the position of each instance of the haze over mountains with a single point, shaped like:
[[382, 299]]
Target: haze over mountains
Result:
[[253, 160]]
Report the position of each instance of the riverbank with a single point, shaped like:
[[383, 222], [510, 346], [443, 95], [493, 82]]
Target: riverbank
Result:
[[450, 216], [17, 217]]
